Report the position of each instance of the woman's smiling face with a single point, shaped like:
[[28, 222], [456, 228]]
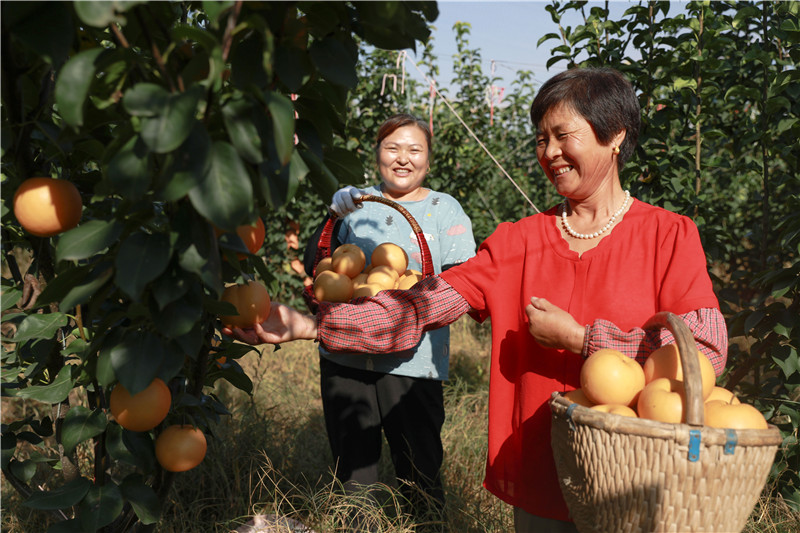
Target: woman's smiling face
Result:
[[403, 162], [570, 154]]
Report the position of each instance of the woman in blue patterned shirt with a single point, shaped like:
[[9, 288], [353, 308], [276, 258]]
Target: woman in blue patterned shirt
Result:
[[400, 393]]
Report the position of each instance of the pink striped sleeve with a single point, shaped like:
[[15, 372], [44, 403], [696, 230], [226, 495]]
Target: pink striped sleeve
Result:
[[707, 326], [390, 321]]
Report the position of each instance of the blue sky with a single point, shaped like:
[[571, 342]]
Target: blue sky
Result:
[[506, 32]]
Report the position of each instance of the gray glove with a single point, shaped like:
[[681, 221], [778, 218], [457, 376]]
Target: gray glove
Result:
[[342, 203]]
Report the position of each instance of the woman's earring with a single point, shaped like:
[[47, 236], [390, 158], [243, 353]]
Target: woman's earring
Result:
[[616, 149]]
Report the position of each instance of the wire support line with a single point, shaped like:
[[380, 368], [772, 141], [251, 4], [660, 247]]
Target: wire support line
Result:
[[452, 110]]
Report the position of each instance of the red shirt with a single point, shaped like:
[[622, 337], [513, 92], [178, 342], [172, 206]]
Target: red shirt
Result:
[[651, 261]]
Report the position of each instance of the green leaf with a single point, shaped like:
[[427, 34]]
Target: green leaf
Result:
[[72, 85], [40, 326], [236, 376], [82, 292], [334, 62], [56, 289], [789, 364], [23, 470], [218, 307], [791, 26], [555, 59], [104, 370], [65, 496], [102, 504], [180, 316], [215, 8], [292, 66], [206, 39], [136, 359], [297, 167], [677, 183], [325, 183], [189, 343], [145, 100], [87, 240], [683, 83], [175, 355], [752, 320], [129, 169], [29, 436], [391, 25], [345, 165], [52, 393], [131, 447], [235, 350], [279, 185], [191, 260], [101, 13], [143, 498], [37, 354], [242, 119], [745, 15], [282, 112], [25, 21], [777, 104], [9, 297], [792, 498], [142, 257], [8, 445], [230, 241], [248, 61], [324, 17], [782, 330], [76, 285], [173, 124], [169, 287], [189, 163], [81, 424], [548, 37], [78, 348], [225, 194]]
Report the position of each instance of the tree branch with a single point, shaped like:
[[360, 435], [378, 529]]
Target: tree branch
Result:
[[698, 109], [765, 224], [118, 34], [155, 51], [227, 39]]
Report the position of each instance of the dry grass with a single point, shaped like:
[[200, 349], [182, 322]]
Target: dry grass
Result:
[[271, 457], [772, 514]]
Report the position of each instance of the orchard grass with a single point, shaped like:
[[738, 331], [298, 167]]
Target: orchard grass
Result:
[[271, 458]]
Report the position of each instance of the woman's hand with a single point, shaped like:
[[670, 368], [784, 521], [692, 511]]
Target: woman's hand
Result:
[[342, 203], [284, 324], [552, 327]]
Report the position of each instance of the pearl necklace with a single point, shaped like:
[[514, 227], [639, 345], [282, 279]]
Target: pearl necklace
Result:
[[602, 230]]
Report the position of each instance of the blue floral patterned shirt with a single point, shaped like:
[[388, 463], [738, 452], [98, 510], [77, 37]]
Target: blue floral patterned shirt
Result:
[[448, 232]]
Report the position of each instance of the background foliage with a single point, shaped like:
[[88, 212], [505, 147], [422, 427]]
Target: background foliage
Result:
[[171, 117]]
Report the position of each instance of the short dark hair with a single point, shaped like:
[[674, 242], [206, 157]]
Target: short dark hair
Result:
[[602, 96], [391, 124]]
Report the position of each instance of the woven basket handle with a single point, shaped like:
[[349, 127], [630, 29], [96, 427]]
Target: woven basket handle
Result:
[[687, 348], [323, 248]]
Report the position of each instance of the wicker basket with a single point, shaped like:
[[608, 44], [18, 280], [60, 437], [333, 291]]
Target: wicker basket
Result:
[[621, 474], [324, 244]]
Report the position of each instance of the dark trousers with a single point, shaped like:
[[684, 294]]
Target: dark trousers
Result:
[[357, 404]]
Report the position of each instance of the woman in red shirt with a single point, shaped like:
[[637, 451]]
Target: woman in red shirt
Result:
[[559, 285]]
